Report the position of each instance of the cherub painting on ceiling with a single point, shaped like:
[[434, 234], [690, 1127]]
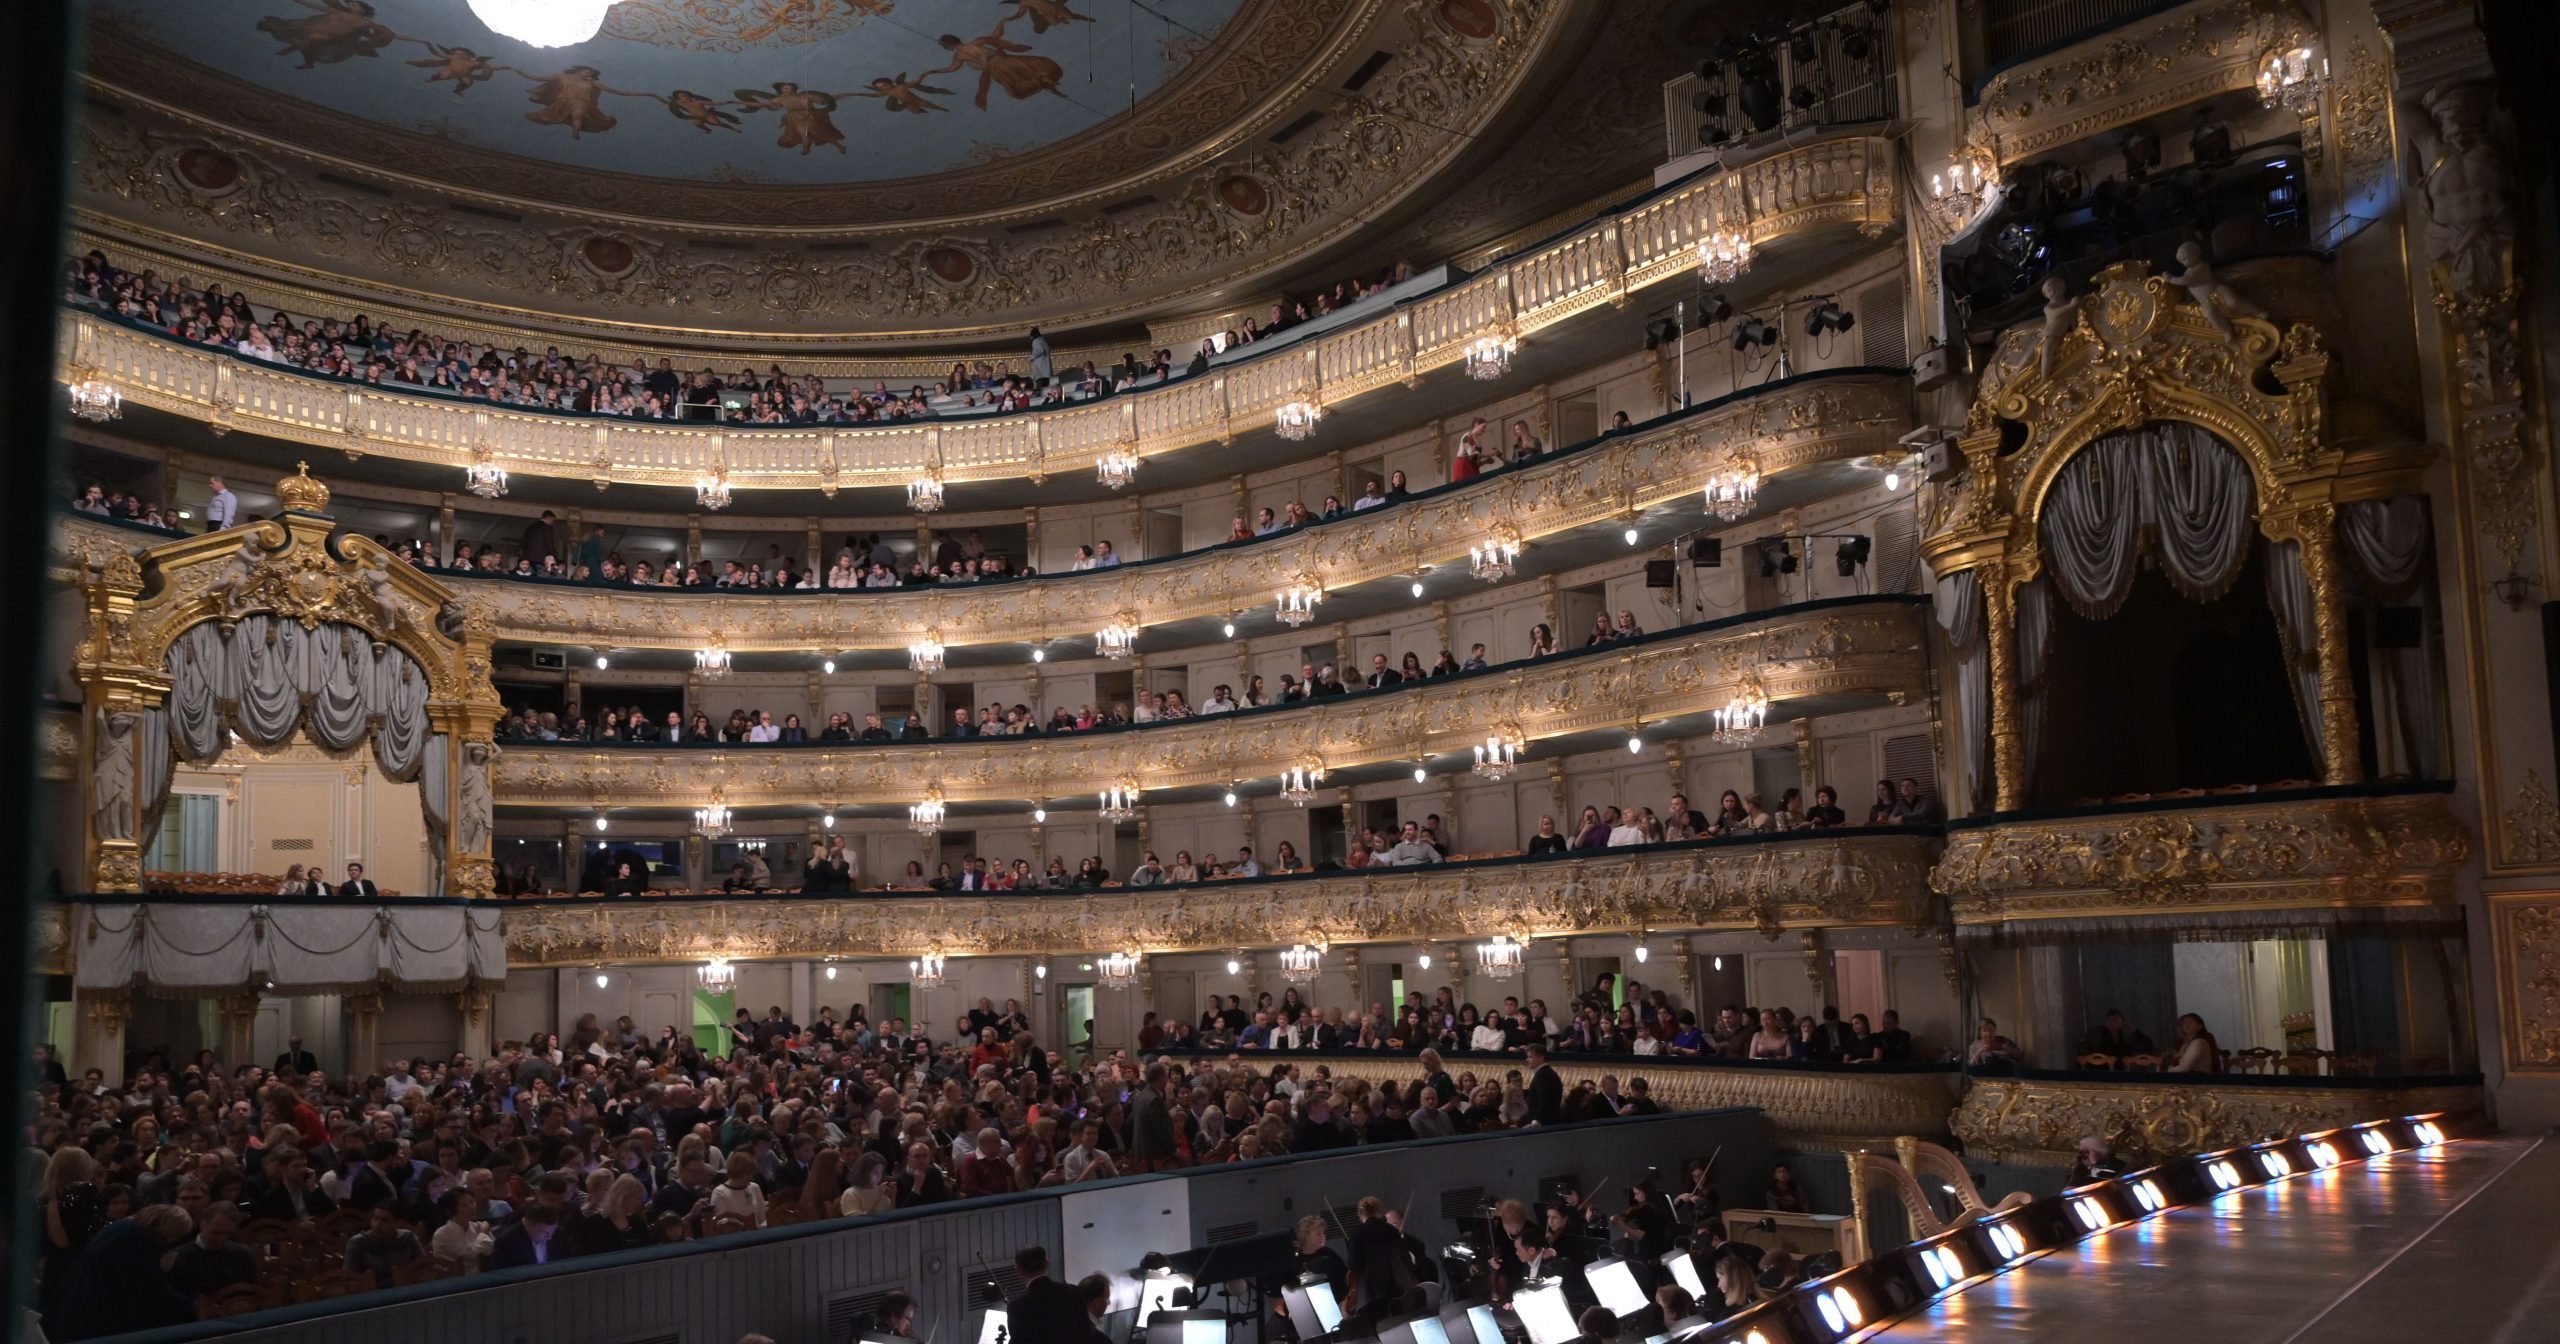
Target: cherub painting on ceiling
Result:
[[336, 30], [808, 119]]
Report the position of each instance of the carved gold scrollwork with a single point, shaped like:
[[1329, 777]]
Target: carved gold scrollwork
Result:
[[2040, 1121]]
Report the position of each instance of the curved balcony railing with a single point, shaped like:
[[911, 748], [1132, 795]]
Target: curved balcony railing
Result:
[[1868, 646], [2037, 1116], [1827, 417], [2368, 855], [1818, 186], [1841, 876]]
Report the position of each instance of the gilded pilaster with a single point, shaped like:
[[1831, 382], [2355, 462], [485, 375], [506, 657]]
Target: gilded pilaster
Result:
[[2008, 744], [2324, 568]]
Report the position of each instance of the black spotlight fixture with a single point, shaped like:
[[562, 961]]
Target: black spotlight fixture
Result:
[[1751, 331], [1828, 317], [1660, 332], [1757, 92], [1803, 97], [1853, 553], [1801, 48], [1713, 135], [1714, 308], [1710, 103], [1775, 558], [1856, 45], [1706, 552]]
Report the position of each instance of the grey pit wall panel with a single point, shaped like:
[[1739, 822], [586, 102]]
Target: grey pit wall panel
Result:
[[781, 1282]]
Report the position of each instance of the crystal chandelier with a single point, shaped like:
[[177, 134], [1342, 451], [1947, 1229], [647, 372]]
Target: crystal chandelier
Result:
[[1296, 604], [1489, 357], [1116, 641], [1116, 468], [711, 662], [925, 818], [1739, 723], [712, 821], [1492, 560], [1298, 783], [1296, 418], [1501, 958], [1733, 489], [485, 478], [924, 657], [1119, 803], [544, 23], [96, 399], [2291, 79], [1298, 964], [1119, 970], [1497, 757], [925, 972], [711, 490], [1723, 256], [924, 493], [717, 975]]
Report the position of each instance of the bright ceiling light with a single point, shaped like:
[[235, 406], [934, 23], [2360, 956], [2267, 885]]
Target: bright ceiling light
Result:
[[544, 23], [830, 667], [1631, 536]]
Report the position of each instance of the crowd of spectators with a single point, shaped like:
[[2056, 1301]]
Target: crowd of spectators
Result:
[[168, 1185], [356, 348]]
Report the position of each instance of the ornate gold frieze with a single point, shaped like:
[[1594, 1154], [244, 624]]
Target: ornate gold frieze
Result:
[[1812, 879], [1876, 650], [1802, 424], [1820, 186], [1802, 1104], [2189, 54], [2525, 941], [2039, 1121], [2354, 850]]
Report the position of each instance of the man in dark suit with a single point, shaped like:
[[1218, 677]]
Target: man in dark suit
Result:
[[1546, 1088], [357, 884], [295, 1059], [378, 1181], [212, 1261], [1047, 1312], [1381, 1264], [1151, 1122], [536, 1237]]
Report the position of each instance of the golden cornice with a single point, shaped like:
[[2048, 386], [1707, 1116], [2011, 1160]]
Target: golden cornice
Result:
[[1873, 649], [1837, 1105], [2524, 939], [1826, 879], [1806, 188], [2188, 54], [2355, 849], [2038, 1121]]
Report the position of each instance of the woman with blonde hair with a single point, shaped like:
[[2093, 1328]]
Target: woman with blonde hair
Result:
[[1735, 1285], [294, 884], [73, 1212]]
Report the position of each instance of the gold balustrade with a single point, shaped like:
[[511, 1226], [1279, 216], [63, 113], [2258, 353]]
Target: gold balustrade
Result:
[[1874, 648], [1809, 879], [1803, 423], [1809, 1107], [2133, 73], [2038, 1121], [1820, 186]]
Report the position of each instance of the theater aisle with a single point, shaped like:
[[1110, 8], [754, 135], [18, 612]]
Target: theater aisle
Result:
[[2458, 1243]]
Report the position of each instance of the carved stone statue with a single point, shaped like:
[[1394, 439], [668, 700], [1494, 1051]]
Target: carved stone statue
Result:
[[239, 572], [2214, 296], [378, 593], [471, 822], [450, 617], [2061, 314], [111, 777], [2463, 181]]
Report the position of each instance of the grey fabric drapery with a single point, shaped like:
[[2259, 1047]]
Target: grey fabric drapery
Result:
[[434, 776], [2035, 647], [1959, 608], [2289, 592], [179, 949], [2389, 542], [2167, 492], [267, 677]]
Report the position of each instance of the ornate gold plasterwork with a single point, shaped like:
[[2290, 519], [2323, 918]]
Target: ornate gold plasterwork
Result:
[[1822, 1107], [1864, 649], [2525, 942], [1825, 878], [2352, 850], [2186, 55], [2040, 1121], [1821, 186]]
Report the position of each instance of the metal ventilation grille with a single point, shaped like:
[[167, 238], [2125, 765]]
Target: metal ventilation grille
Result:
[[847, 1311], [1463, 1203], [1897, 559], [1881, 339], [1910, 757], [1340, 1216], [1007, 1280], [1231, 1232], [1552, 1187], [291, 844]]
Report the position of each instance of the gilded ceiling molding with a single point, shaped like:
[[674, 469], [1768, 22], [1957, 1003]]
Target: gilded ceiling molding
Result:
[[2038, 1121], [2525, 941], [1215, 225], [1827, 1107], [1874, 650], [2356, 850], [1811, 879], [2189, 54], [1820, 186]]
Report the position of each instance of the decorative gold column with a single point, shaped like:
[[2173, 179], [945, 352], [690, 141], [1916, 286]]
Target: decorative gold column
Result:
[[1556, 799], [2008, 746], [99, 1043], [2316, 527], [1350, 820], [239, 1013], [1817, 966], [364, 1037], [474, 1003], [1684, 964], [116, 688], [466, 711], [692, 539]]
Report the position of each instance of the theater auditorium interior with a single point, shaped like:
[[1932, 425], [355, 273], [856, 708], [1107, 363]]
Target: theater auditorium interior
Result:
[[1282, 671]]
